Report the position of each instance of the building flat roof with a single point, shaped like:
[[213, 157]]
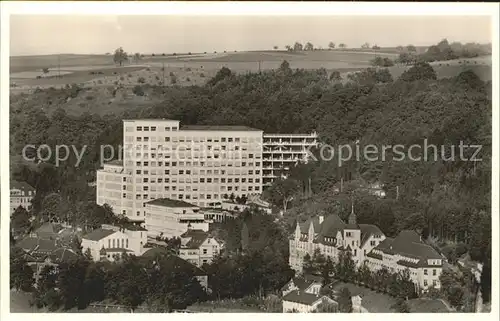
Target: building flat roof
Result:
[[115, 162], [150, 119], [167, 202], [219, 128]]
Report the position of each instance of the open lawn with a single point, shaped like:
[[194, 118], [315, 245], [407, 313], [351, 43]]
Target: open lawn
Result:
[[427, 306], [373, 301]]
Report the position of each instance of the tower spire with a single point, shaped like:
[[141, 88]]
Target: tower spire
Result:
[[352, 216]]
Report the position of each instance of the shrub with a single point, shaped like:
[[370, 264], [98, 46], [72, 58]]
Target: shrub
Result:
[[172, 74], [116, 82], [89, 98], [189, 53], [148, 69], [188, 79], [188, 69], [99, 82], [173, 80], [157, 78], [122, 78], [202, 75], [141, 80], [129, 75], [138, 91]]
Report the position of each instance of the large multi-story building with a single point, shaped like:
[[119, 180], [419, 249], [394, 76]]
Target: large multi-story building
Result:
[[21, 194], [367, 245], [198, 164], [282, 151], [170, 218]]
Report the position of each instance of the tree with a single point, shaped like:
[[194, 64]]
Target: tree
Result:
[[138, 91], [411, 48], [335, 76], [298, 46], [120, 56], [244, 237], [342, 45], [20, 220], [344, 300], [309, 47], [331, 45], [375, 47], [419, 71], [137, 57], [282, 192], [366, 45], [21, 275], [45, 70], [288, 48], [399, 48], [275, 47], [327, 269], [401, 306], [325, 307], [307, 264]]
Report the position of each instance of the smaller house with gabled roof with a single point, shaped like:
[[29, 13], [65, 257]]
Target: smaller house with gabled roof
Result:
[[198, 247], [110, 242], [308, 283]]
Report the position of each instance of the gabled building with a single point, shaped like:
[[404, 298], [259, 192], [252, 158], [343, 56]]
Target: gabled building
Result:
[[21, 194], [331, 235], [110, 242], [305, 283], [198, 247], [304, 302], [366, 245], [408, 251]]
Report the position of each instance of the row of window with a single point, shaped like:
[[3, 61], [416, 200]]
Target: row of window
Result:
[[200, 180], [188, 196], [114, 243], [153, 128], [195, 164]]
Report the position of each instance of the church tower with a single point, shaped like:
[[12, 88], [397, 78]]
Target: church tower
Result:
[[352, 237], [352, 217]]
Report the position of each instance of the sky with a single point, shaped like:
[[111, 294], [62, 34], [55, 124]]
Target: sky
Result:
[[79, 34]]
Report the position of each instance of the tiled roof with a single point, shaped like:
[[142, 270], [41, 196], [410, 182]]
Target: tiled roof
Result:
[[167, 202], [23, 186], [331, 225], [98, 234], [49, 228], [302, 297], [63, 255], [368, 230], [197, 237], [31, 244], [374, 255], [219, 128], [303, 282], [173, 262], [408, 244]]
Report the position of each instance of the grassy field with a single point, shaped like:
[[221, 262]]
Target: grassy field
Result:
[[427, 306]]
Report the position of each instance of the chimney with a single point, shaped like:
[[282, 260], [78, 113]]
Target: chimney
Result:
[[321, 218]]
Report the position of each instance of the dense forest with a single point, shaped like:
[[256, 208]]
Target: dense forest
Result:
[[448, 201]]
